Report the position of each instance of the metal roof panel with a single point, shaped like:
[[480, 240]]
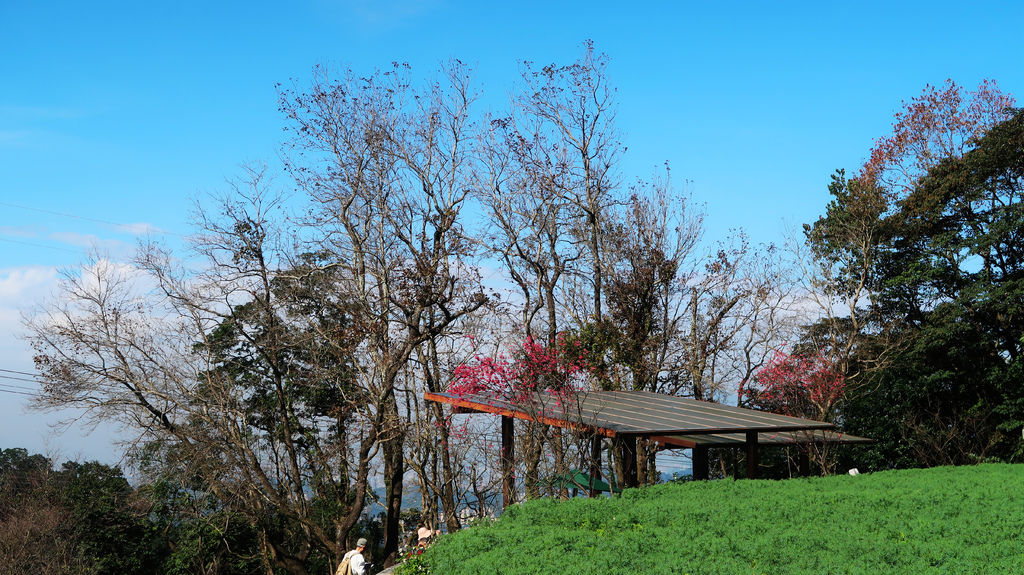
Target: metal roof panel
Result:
[[632, 413]]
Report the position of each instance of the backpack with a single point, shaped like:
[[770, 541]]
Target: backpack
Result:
[[345, 568]]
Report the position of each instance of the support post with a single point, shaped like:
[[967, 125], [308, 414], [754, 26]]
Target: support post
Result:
[[700, 463], [752, 455], [508, 461], [595, 464], [628, 450], [805, 460]]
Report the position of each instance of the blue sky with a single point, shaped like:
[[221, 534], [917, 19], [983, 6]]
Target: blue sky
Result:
[[114, 116]]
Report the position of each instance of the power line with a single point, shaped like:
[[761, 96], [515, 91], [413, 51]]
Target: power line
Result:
[[18, 389], [62, 214], [15, 378], [35, 245], [26, 393], [78, 217], [19, 372]]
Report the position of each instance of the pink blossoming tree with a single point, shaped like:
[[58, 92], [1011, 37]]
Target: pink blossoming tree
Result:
[[799, 385], [561, 369]]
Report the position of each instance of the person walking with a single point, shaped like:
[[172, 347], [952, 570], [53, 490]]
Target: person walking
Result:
[[354, 563]]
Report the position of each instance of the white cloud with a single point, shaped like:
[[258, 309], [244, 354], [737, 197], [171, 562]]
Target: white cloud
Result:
[[91, 241], [21, 289], [21, 285], [112, 271]]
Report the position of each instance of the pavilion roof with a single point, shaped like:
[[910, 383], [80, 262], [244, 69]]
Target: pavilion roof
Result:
[[671, 420]]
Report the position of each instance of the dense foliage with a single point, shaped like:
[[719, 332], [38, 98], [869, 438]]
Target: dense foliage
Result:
[[83, 518], [940, 520], [947, 281]]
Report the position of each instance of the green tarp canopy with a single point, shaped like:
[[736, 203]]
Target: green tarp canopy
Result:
[[576, 479]]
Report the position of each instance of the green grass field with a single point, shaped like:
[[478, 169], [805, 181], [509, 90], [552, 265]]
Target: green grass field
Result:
[[942, 520]]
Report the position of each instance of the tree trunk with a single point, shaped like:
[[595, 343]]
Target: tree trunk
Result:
[[558, 449], [447, 494], [394, 470], [451, 515], [534, 444]]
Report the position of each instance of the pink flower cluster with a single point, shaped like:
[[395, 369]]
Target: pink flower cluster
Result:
[[796, 385], [560, 369]]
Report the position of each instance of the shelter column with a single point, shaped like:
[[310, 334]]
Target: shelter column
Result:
[[508, 461], [627, 447], [700, 462], [805, 460], [595, 464], [752, 455]]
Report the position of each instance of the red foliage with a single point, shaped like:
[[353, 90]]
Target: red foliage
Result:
[[560, 369], [942, 122], [796, 385]]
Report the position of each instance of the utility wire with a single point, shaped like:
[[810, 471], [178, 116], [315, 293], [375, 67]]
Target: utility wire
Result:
[[19, 372], [7, 387], [16, 378], [35, 245], [78, 217], [18, 389], [4, 390]]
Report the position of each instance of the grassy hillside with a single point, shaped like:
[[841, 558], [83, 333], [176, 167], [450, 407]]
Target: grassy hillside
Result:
[[942, 520]]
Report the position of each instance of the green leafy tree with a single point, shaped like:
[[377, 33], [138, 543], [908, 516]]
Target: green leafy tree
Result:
[[939, 340], [84, 518], [36, 535], [847, 246], [956, 273], [202, 535], [108, 518]]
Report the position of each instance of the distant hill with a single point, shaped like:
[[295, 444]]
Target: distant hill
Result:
[[941, 520]]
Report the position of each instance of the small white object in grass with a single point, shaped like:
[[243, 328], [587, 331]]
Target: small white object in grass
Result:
[[854, 471]]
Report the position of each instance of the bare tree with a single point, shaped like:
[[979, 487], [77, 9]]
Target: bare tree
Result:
[[551, 184], [213, 374], [389, 169], [532, 238], [572, 109]]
